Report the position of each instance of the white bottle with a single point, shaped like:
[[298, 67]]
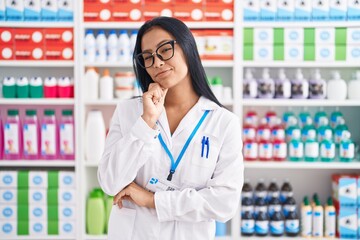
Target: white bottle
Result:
[[90, 46], [317, 86], [95, 136], [112, 47], [101, 46], [337, 89], [92, 83], [133, 37], [124, 47], [299, 86], [354, 86], [266, 85], [106, 86], [282, 85], [249, 85]]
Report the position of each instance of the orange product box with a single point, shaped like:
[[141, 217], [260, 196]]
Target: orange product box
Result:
[[192, 3], [189, 13], [127, 13], [165, 3], [32, 36], [219, 44], [7, 52], [155, 10], [62, 36], [29, 52], [200, 39], [99, 2], [220, 3], [6, 36], [219, 14], [56, 52], [97, 12], [128, 2]]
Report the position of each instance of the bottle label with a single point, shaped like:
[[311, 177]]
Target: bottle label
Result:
[[330, 223], [247, 226], [262, 227], [260, 194], [66, 139], [11, 138], [292, 226], [30, 139], [306, 222], [277, 227], [280, 150], [297, 89], [338, 134], [259, 209], [311, 149], [317, 89], [265, 150], [249, 209], [250, 150], [247, 194], [48, 139], [274, 208], [327, 150], [296, 149], [347, 150]]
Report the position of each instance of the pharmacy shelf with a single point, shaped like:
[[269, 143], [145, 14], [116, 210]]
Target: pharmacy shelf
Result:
[[270, 237], [301, 165], [37, 101], [114, 102], [137, 25], [206, 63], [104, 237], [309, 64], [40, 63], [308, 24], [37, 24], [299, 102], [37, 163]]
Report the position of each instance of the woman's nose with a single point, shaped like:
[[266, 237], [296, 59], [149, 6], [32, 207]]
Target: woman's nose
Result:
[[157, 61]]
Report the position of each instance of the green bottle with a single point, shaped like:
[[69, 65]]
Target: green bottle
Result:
[[286, 117], [303, 116], [318, 118], [340, 128], [323, 126], [108, 205], [311, 147], [296, 147], [95, 213], [292, 125], [308, 126], [347, 148], [334, 118], [327, 148]]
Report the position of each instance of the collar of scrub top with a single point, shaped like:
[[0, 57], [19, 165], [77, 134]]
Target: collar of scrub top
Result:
[[174, 163]]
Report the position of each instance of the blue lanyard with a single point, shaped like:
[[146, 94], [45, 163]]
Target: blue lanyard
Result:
[[173, 163]]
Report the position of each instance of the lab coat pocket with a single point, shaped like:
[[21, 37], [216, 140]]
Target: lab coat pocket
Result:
[[121, 223]]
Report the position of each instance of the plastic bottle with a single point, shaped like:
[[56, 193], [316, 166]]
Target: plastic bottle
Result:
[[133, 37], [274, 206], [337, 88], [90, 46], [263, 130], [22, 87], [296, 147], [273, 189], [92, 83], [12, 135], [106, 86], [31, 136], [318, 117], [112, 47], [253, 117], [289, 205], [334, 119], [260, 189], [327, 148], [347, 148], [108, 206], [101, 46], [247, 190], [248, 128], [250, 148], [277, 130], [271, 118], [220, 229], [265, 147], [9, 87], [303, 118], [217, 87], [318, 220], [299, 86], [95, 133], [306, 128], [311, 147], [354, 86], [291, 126], [285, 118], [282, 85], [124, 47], [247, 224], [279, 147], [36, 87], [50, 87], [65, 87], [66, 135], [339, 129], [266, 85], [262, 224], [95, 213], [306, 218], [330, 219], [292, 223], [250, 85], [323, 126], [285, 191], [276, 223], [49, 135], [317, 86]]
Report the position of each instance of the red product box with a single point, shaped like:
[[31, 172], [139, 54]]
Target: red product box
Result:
[[219, 44], [56, 52], [97, 12], [127, 13], [137, 3], [26, 36], [165, 3], [7, 52], [156, 10], [192, 3], [218, 14], [62, 36], [220, 3], [189, 13], [29, 52], [100, 2], [6, 36]]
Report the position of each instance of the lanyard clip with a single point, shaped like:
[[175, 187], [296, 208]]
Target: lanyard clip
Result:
[[170, 175]]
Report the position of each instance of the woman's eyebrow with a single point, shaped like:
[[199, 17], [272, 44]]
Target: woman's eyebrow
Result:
[[157, 45]]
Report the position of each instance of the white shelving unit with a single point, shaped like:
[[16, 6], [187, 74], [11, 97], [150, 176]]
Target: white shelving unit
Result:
[[40, 101], [37, 163]]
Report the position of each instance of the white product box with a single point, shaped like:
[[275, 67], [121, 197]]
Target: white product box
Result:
[[38, 179], [324, 52], [32, 10], [8, 179], [67, 179], [353, 53], [2, 10], [303, 9], [8, 212], [66, 196], [294, 36], [49, 10], [263, 36], [251, 10], [294, 52], [8, 196], [348, 223], [37, 196], [8, 229], [263, 53], [67, 228], [268, 10], [14, 10], [38, 228], [38, 212], [353, 10], [67, 212], [320, 10], [324, 36], [65, 10], [353, 35], [285, 10], [338, 10]]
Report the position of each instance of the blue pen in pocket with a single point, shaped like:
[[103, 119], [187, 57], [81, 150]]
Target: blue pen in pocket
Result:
[[207, 142], [203, 142]]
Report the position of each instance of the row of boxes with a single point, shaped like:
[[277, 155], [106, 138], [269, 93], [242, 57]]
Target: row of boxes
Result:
[[348, 223]]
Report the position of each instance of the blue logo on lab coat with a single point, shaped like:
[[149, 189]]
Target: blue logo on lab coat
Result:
[[153, 181]]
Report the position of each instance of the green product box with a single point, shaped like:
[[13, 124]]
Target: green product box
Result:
[[23, 179], [53, 227], [340, 52], [23, 228], [279, 53], [278, 36], [53, 179], [248, 36], [23, 212], [248, 53], [53, 213], [23, 197], [309, 36], [309, 52], [340, 36], [52, 197]]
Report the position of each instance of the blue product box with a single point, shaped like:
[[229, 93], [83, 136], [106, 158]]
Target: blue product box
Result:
[[14, 10], [353, 10], [268, 9], [302, 10], [285, 10], [348, 223], [320, 10], [49, 10], [338, 10], [251, 10], [65, 10], [32, 10]]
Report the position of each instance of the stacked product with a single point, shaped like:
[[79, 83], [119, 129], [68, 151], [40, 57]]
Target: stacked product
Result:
[[37, 203]]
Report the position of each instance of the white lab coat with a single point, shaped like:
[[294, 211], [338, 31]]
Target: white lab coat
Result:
[[209, 189]]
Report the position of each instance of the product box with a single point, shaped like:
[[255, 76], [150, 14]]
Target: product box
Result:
[[49, 10], [61, 212], [8, 229], [293, 52], [67, 228], [268, 10], [37, 196], [38, 179], [59, 36], [157, 10], [303, 10], [353, 35], [248, 36], [285, 10], [213, 13], [353, 10], [197, 3], [325, 52], [8, 196], [128, 13], [37, 212], [248, 52], [98, 12], [348, 223], [320, 10], [344, 190], [61, 197], [8, 212], [188, 13], [279, 52], [134, 2], [353, 52], [263, 52], [2, 10], [218, 3], [200, 39], [338, 10], [53, 52], [263, 36], [37, 228], [294, 36], [32, 10], [251, 10], [8, 179], [65, 10], [219, 44], [29, 36], [24, 52], [325, 36], [6, 37], [14, 10]]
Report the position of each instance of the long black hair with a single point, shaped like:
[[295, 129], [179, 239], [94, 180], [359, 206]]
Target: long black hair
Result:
[[186, 41]]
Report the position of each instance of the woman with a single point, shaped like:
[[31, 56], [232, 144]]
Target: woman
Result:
[[173, 158]]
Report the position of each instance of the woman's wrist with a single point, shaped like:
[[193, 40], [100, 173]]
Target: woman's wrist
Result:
[[151, 202], [151, 122]]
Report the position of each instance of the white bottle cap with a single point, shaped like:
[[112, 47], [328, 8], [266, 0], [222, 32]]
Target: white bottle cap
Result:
[[311, 134], [35, 81], [105, 14], [37, 53], [328, 134], [64, 82], [248, 74], [282, 75], [67, 36], [22, 81], [6, 36], [135, 14], [317, 75], [9, 81], [299, 75], [296, 134], [37, 36], [50, 82], [265, 74], [196, 14]]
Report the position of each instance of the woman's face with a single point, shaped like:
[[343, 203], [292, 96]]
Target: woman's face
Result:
[[168, 73]]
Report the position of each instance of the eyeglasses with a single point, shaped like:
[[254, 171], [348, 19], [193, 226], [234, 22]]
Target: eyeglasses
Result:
[[164, 52]]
